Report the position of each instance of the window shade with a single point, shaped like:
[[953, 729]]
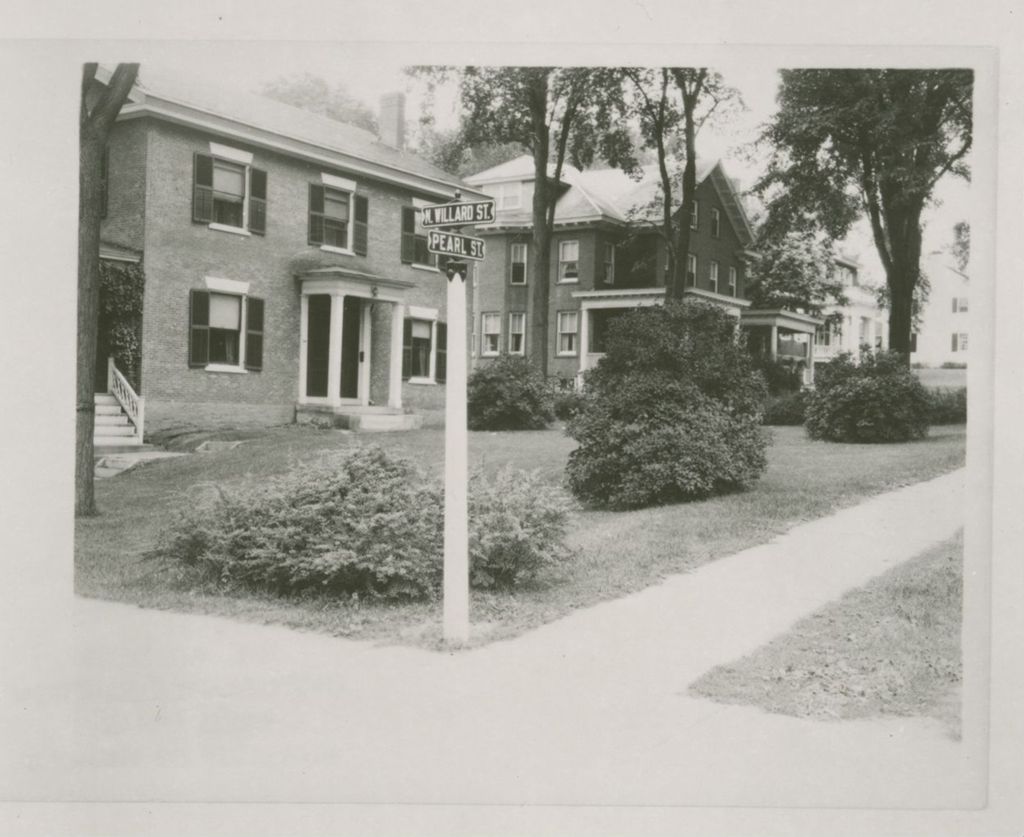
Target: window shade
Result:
[[224, 312]]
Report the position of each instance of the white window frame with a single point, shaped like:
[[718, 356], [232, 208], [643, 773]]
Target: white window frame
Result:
[[713, 275], [240, 291], [512, 318], [562, 315], [695, 215], [732, 280], [609, 263], [509, 195], [962, 341], [716, 223], [493, 317], [691, 260], [350, 225], [425, 315], [218, 155], [516, 245], [562, 278]]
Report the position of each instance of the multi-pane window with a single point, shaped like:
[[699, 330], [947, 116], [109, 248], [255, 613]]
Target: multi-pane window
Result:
[[338, 218], [517, 264], [569, 261], [714, 276], [959, 342], [414, 239], [225, 330], [691, 269], [568, 327], [694, 215], [517, 333], [609, 263], [716, 223], [732, 281], [959, 304], [490, 329], [507, 195], [424, 343], [229, 193]]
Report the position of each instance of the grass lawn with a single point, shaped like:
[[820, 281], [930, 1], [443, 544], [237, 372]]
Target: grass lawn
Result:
[[616, 552], [891, 647], [943, 378]]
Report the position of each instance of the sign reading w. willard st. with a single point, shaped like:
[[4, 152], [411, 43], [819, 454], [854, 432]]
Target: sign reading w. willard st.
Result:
[[452, 244], [456, 214]]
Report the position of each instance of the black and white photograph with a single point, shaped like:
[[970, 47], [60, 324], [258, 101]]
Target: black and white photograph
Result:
[[492, 435]]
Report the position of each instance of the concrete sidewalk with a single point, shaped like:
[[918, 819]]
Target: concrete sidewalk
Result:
[[592, 709]]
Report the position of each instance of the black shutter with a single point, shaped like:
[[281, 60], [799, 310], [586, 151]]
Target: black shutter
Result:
[[316, 213], [408, 235], [104, 185], [407, 350], [198, 328], [257, 201], [441, 366], [361, 230], [202, 188], [254, 333]]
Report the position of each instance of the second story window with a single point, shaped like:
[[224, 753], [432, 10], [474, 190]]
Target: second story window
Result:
[[609, 263], [959, 304], [716, 223], [414, 240], [569, 261], [517, 264], [507, 195], [338, 216], [228, 193], [694, 215]]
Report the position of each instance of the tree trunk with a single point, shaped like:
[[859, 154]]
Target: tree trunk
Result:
[[90, 162], [902, 278], [901, 313], [540, 290], [686, 209]]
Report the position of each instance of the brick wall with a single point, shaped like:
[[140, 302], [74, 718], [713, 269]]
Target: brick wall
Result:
[[126, 184]]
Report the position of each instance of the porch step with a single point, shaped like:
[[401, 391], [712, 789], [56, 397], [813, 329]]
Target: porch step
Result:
[[112, 430], [360, 419], [105, 445]]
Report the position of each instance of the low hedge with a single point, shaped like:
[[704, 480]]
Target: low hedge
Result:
[[948, 406], [788, 409]]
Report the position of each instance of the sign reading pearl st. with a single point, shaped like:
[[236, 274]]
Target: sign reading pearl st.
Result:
[[456, 214], [452, 244]]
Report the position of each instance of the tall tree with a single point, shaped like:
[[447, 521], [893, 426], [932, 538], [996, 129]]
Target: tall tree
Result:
[[558, 114], [794, 271], [99, 107], [314, 94], [847, 142]]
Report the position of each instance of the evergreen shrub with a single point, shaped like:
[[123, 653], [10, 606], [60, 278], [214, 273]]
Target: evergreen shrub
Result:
[[508, 394], [672, 411], [878, 400], [948, 406], [787, 409], [369, 524]]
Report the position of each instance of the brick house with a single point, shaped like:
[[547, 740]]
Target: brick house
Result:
[[607, 257], [286, 275]]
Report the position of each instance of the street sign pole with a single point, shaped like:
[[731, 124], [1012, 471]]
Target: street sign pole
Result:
[[456, 512]]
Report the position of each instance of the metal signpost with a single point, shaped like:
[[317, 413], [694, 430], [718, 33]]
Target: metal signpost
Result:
[[456, 514]]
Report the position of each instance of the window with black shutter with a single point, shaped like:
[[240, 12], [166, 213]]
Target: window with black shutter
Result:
[[408, 235], [407, 350], [441, 366], [316, 213], [199, 328], [202, 188], [258, 201], [361, 227], [253, 333]]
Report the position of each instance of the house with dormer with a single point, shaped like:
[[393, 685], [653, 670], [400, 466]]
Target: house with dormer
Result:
[[286, 272], [607, 257]]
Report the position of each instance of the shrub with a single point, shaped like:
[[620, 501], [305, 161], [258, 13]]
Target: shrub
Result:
[[781, 377], [567, 401], [878, 400], [517, 527], [948, 406], [370, 524], [786, 409], [672, 411], [508, 394]]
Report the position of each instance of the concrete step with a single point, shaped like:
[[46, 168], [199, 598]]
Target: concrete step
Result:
[[110, 419], [380, 422], [117, 430], [105, 398], [104, 446]]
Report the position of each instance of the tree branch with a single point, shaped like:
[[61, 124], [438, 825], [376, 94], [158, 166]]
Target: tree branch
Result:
[[108, 107]]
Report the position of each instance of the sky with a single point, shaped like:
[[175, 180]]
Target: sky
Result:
[[368, 71]]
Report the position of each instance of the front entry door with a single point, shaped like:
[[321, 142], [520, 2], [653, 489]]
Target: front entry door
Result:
[[318, 345], [351, 344]]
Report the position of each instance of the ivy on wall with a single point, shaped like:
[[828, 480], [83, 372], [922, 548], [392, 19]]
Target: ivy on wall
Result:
[[120, 326]]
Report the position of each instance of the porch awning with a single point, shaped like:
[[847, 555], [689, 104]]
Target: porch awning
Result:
[[782, 319]]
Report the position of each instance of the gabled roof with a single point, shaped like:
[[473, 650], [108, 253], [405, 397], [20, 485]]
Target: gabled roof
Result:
[[612, 195], [261, 121]]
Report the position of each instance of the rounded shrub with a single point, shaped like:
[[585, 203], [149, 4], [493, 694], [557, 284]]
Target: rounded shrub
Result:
[[878, 400], [948, 406], [366, 523], [672, 411], [508, 394]]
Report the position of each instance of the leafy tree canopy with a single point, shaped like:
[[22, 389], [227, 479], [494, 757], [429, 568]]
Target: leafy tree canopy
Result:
[[795, 271]]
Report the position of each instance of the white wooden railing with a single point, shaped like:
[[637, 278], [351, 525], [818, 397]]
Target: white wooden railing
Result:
[[134, 405]]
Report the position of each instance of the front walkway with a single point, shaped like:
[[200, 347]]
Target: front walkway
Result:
[[592, 709]]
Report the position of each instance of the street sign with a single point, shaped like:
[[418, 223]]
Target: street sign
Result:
[[457, 214], [452, 244]]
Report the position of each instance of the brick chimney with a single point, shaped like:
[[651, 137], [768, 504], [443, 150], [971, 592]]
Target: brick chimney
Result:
[[392, 119]]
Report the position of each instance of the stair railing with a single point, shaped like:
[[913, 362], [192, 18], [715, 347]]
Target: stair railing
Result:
[[134, 405]]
